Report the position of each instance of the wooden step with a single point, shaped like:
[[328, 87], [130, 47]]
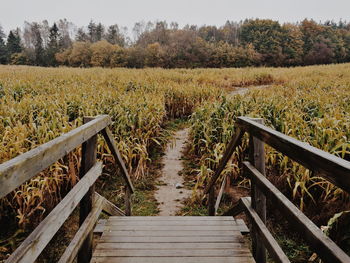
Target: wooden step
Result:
[[171, 239]]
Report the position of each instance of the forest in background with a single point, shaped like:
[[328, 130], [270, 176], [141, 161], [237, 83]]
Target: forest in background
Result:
[[253, 42]]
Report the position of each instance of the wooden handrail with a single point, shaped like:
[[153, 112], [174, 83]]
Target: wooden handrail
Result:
[[34, 244], [20, 169], [324, 246], [107, 134], [271, 244], [72, 250], [334, 169], [235, 141]]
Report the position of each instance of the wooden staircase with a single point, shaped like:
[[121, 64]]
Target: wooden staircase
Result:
[[172, 239]]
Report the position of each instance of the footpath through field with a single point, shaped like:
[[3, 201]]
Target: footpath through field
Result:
[[171, 191]]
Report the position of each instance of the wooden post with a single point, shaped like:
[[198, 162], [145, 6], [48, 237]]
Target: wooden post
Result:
[[88, 159], [127, 201], [211, 201], [257, 158]]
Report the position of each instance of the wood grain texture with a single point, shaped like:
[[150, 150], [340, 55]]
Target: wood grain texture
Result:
[[158, 246], [88, 159], [257, 158], [172, 253], [323, 245], [166, 233], [172, 222], [173, 260], [172, 239], [72, 250], [221, 192], [263, 234], [127, 201], [109, 208], [33, 245], [107, 134], [235, 141], [177, 218], [327, 165], [18, 170]]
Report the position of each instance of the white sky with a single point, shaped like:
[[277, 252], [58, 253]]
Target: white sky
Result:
[[126, 12]]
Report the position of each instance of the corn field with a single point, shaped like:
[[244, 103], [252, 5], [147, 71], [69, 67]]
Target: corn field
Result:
[[37, 105], [312, 105]]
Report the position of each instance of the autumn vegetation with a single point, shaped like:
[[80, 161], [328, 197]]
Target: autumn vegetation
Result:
[[253, 42], [38, 104]]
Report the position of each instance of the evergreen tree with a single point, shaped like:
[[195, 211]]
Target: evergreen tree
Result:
[[81, 35], [99, 32], [52, 47], [13, 44], [3, 55], [92, 31], [114, 36]]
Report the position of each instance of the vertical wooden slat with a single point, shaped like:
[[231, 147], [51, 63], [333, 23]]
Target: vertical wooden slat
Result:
[[127, 201], [89, 150], [221, 192], [257, 158], [211, 201]]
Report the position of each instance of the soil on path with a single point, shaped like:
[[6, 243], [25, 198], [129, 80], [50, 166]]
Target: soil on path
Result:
[[168, 195], [242, 91]]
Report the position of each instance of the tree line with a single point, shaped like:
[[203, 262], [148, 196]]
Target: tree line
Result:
[[253, 42]]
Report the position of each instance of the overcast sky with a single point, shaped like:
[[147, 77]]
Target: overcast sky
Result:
[[126, 12]]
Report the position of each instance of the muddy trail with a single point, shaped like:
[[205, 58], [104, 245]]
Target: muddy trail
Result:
[[171, 190]]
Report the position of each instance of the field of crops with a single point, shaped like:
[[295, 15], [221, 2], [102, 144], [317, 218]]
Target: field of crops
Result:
[[311, 104], [37, 105]]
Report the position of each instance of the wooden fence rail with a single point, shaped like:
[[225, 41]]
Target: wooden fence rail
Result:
[[17, 171], [334, 169]]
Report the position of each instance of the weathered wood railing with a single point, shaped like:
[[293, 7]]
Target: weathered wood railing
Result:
[[328, 166], [17, 171]]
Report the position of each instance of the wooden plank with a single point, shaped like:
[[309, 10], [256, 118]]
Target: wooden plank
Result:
[[18, 170], [32, 246], [109, 208], [172, 253], [235, 141], [127, 201], [178, 218], [324, 246], [244, 229], [178, 228], [172, 260], [100, 226], [211, 202], [166, 233], [88, 159], [264, 234], [158, 246], [72, 250], [171, 223], [257, 158], [107, 134], [196, 239], [218, 199], [327, 165]]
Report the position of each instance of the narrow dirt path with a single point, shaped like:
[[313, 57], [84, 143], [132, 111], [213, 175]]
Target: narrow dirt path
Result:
[[171, 191], [242, 91]]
